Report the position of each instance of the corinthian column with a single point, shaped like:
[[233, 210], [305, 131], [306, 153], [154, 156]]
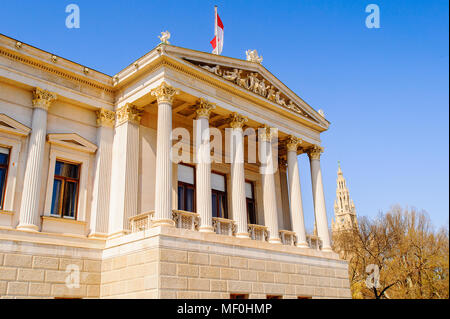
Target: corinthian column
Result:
[[268, 180], [319, 198], [238, 200], [102, 174], [163, 198], [124, 178], [203, 167], [29, 209], [295, 194]]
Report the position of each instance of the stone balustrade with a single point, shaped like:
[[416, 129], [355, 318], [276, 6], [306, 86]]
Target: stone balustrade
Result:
[[224, 226], [186, 220], [258, 232], [314, 242], [141, 222], [288, 237]]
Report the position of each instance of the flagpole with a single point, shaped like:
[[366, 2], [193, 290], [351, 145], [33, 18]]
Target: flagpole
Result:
[[216, 50]]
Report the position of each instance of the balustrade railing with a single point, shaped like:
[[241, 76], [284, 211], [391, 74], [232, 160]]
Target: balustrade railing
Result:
[[288, 237], [314, 242], [223, 226], [141, 222], [186, 220], [258, 232]]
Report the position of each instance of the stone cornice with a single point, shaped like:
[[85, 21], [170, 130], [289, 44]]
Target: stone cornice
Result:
[[42, 99], [105, 118], [128, 113]]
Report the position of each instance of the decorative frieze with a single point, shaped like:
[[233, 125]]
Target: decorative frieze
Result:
[[315, 152], [204, 108], [129, 113], [43, 98], [237, 121], [165, 93], [105, 117]]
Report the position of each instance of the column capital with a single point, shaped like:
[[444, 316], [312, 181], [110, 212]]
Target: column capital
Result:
[[105, 118], [43, 98], [315, 152], [292, 143], [129, 113], [164, 93], [266, 133], [204, 108], [237, 120]]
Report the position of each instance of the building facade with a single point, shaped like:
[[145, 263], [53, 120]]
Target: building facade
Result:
[[176, 178]]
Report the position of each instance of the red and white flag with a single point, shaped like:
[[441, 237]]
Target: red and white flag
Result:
[[217, 42]]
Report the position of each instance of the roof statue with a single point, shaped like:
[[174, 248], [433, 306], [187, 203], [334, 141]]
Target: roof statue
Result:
[[252, 56], [165, 36]]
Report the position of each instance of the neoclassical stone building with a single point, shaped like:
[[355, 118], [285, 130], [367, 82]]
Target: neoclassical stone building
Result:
[[97, 202]]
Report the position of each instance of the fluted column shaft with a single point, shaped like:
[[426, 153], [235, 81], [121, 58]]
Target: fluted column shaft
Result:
[[238, 200], [295, 194], [268, 183], [163, 188], [102, 176], [29, 210], [319, 198], [203, 166]]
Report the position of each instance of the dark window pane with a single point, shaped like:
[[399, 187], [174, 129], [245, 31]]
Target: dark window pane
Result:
[[56, 200], [222, 206], [251, 212], [2, 185], [189, 200], [66, 169], [4, 159], [214, 205], [180, 198], [70, 199]]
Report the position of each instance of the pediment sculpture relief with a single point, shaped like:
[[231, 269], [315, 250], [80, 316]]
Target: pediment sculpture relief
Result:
[[255, 83]]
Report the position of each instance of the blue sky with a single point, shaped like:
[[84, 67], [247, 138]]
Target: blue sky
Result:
[[385, 91]]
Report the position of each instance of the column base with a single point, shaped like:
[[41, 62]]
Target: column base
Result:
[[275, 240], [28, 227], [98, 236], [163, 222], [327, 249], [206, 229], [303, 245], [119, 234], [242, 235]]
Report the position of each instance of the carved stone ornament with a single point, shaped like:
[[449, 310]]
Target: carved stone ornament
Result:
[[165, 36], [266, 133], [292, 143], [164, 93], [105, 118], [255, 83], [252, 56], [315, 152], [129, 113], [43, 98], [237, 121], [204, 108]]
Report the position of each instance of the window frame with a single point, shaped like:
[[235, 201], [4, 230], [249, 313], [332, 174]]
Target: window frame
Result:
[[251, 200], [224, 194], [6, 167], [184, 185], [64, 180]]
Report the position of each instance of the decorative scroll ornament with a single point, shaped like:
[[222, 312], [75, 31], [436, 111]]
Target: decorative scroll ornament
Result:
[[237, 120], [165, 36], [256, 84], [266, 133], [105, 118], [292, 143], [165, 93], [129, 113], [43, 98], [204, 108], [315, 152], [252, 56]]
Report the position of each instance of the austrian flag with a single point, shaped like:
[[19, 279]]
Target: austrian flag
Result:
[[217, 42]]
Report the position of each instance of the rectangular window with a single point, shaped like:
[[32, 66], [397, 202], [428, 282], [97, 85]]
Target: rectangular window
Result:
[[186, 188], [65, 190], [4, 164], [250, 198], [219, 196], [238, 296], [303, 297], [274, 297]]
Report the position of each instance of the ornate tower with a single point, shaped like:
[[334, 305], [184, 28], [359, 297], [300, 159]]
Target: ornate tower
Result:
[[344, 208]]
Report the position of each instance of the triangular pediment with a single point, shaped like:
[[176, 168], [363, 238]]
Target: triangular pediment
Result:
[[251, 77], [10, 126], [73, 141]]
